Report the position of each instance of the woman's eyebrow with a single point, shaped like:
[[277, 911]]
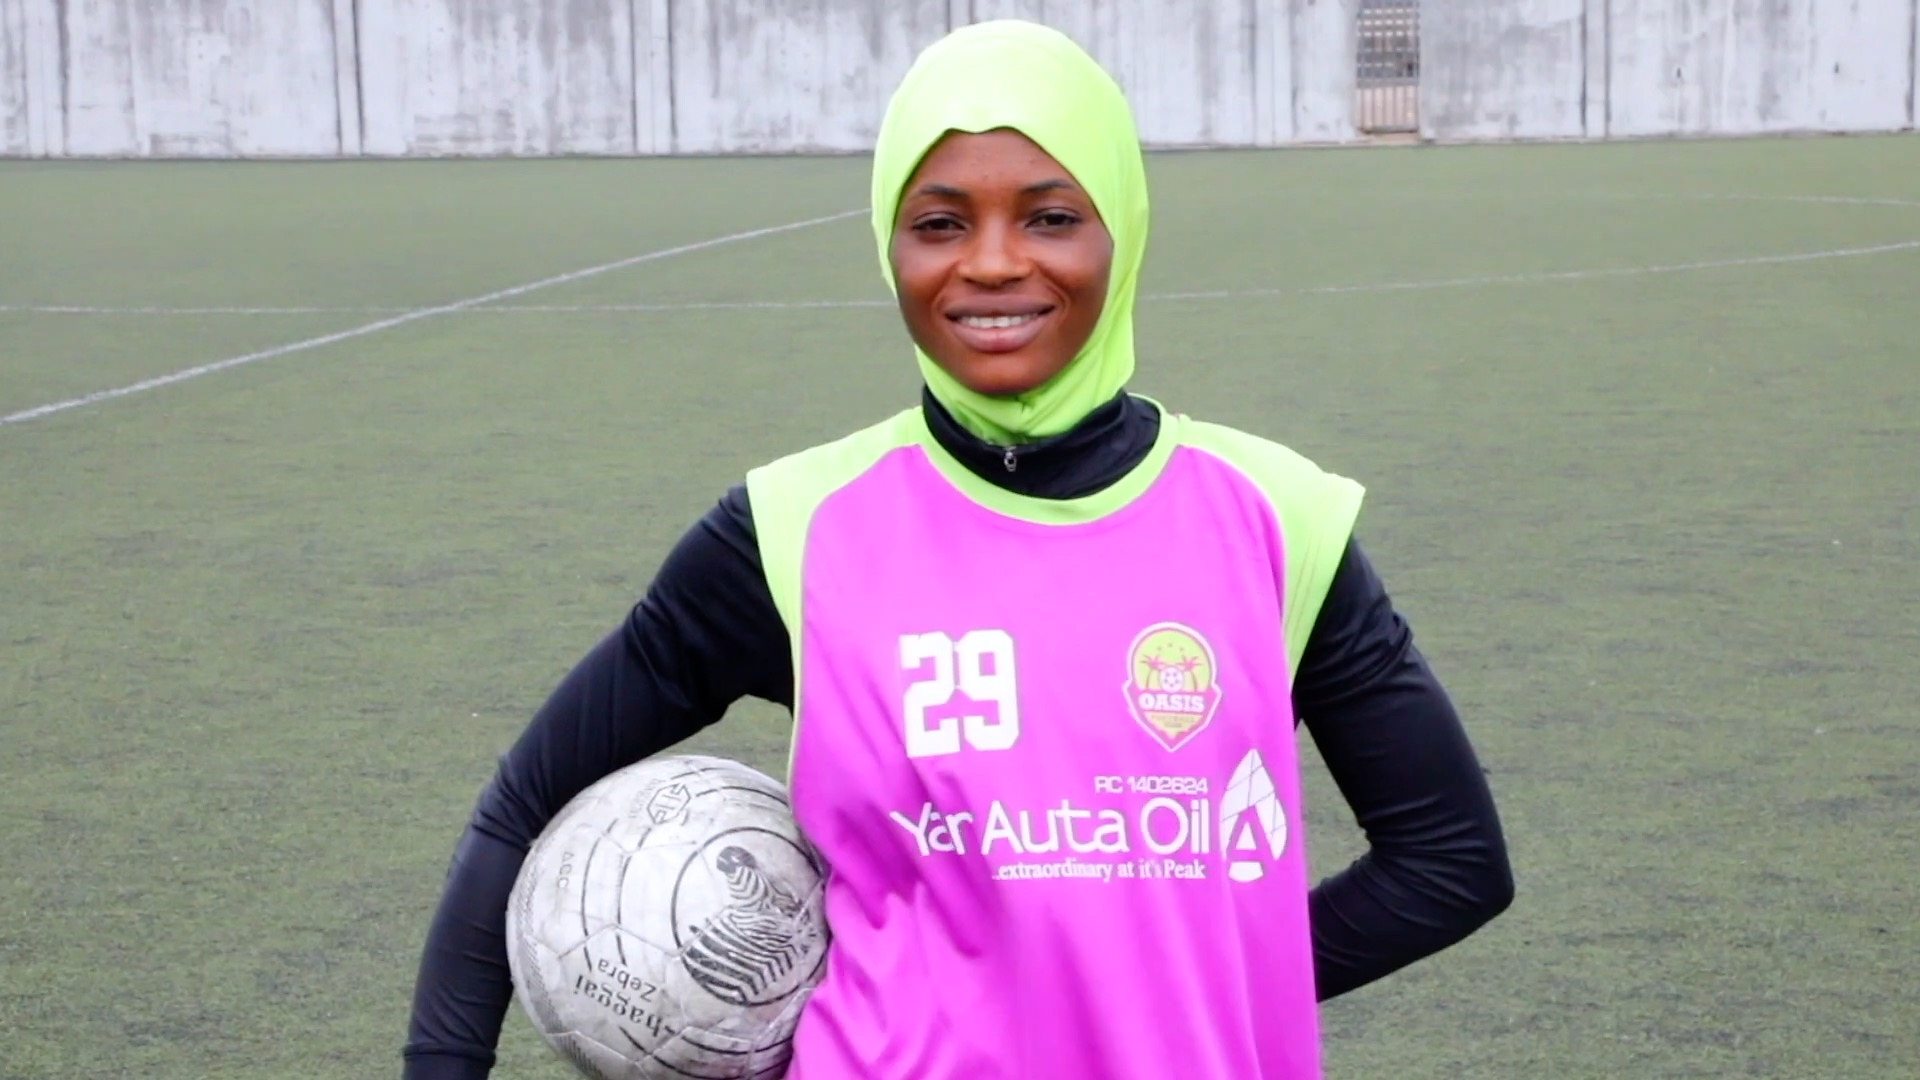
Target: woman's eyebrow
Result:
[[946, 191]]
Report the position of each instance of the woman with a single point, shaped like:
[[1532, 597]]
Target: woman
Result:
[[1045, 645]]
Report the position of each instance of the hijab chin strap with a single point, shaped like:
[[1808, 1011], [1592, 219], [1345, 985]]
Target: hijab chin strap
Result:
[[1034, 80]]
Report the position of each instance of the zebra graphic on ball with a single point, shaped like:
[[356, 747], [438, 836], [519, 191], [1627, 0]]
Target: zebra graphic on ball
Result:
[[759, 941]]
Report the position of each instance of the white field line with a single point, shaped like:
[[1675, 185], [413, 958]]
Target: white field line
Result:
[[412, 315], [1835, 200], [489, 302], [1400, 286], [1552, 275], [91, 309], [691, 305], [1414, 285]]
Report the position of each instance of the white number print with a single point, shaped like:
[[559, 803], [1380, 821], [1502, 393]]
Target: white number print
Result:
[[980, 666]]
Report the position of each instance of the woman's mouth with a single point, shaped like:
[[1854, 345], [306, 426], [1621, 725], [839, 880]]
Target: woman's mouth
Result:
[[999, 333], [996, 322]]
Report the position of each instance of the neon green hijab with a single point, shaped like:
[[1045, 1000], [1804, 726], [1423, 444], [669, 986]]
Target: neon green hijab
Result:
[[1012, 74]]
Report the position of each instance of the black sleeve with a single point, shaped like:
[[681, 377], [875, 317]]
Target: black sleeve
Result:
[[1436, 869], [705, 635]]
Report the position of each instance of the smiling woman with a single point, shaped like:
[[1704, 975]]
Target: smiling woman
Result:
[[1034, 762], [1001, 262], [1007, 178]]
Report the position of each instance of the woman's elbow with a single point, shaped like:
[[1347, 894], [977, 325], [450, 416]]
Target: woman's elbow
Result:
[[1492, 892], [1500, 892], [1469, 886]]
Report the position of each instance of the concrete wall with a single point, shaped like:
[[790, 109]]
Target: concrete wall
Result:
[[396, 77], [13, 78], [1502, 69], [1605, 68], [456, 76], [198, 77], [404, 77], [1760, 65], [736, 68]]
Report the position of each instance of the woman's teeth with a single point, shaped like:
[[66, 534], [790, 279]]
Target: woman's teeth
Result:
[[997, 322]]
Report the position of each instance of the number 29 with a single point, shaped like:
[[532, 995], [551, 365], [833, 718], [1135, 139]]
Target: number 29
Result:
[[979, 665]]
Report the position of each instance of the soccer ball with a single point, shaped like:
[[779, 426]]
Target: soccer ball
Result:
[[668, 923]]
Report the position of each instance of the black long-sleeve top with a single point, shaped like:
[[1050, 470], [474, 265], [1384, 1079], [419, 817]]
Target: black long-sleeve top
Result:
[[707, 633]]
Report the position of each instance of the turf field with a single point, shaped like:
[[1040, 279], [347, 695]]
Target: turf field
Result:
[[1641, 425]]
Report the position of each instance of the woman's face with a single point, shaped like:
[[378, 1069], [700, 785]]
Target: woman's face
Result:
[[1000, 261]]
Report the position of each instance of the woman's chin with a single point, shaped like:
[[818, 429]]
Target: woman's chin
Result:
[[1001, 375]]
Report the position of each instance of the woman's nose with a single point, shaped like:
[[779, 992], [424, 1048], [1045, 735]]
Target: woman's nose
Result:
[[994, 257]]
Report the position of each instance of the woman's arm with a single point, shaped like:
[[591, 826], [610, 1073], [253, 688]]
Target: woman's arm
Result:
[[1436, 869], [706, 634]]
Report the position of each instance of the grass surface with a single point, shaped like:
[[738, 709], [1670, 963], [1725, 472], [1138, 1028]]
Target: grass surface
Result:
[[264, 632]]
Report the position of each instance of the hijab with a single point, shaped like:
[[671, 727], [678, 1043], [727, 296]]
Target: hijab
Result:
[[1034, 80]]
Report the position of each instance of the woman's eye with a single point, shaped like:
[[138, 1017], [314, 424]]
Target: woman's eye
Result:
[[936, 224], [1056, 219]]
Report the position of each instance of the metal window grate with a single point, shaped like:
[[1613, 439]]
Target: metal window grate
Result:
[[1387, 74]]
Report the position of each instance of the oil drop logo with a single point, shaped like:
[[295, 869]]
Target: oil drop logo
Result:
[[1253, 823]]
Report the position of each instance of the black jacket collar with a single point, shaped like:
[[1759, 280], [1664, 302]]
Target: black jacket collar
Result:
[[1094, 453]]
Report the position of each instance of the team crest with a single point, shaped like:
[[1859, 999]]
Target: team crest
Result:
[[1172, 684]]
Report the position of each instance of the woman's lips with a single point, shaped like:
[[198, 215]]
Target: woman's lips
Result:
[[1000, 332]]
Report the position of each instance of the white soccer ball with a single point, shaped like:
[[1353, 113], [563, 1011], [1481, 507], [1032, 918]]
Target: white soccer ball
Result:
[[668, 923]]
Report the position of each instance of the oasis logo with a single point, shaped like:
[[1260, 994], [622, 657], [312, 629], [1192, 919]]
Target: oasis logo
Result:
[[1173, 685]]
